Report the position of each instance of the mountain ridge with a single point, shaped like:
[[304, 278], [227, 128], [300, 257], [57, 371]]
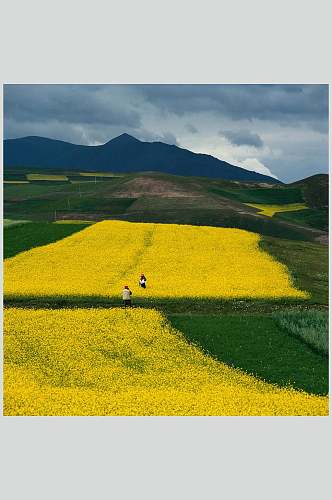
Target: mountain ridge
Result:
[[123, 153]]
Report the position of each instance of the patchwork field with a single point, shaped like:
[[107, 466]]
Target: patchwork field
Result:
[[119, 362], [233, 320]]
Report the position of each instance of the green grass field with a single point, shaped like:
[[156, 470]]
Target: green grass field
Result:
[[24, 237], [257, 345], [36, 190], [48, 209], [306, 262], [316, 218]]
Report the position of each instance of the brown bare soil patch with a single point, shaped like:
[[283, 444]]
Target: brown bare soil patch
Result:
[[149, 186]]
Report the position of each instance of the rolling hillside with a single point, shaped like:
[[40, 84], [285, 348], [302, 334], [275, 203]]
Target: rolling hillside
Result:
[[121, 154], [315, 190], [156, 197]]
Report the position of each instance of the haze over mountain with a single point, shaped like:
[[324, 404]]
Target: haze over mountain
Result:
[[124, 153]]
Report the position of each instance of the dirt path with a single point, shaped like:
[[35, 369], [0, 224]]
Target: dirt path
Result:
[[147, 242]]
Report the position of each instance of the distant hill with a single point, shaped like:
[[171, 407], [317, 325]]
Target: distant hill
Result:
[[122, 154], [315, 190]]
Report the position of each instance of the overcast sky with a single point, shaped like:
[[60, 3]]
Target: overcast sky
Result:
[[279, 130]]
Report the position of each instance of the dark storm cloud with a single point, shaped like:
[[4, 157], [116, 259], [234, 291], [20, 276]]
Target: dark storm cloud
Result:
[[242, 138], [292, 119], [116, 105], [75, 104], [109, 105], [265, 102]]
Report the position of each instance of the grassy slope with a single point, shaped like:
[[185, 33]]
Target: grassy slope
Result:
[[311, 217], [43, 209], [315, 190], [20, 238], [255, 344], [273, 196], [36, 189], [60, 190], [307, 263]]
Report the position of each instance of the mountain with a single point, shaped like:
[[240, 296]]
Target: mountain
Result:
[[121, 154]]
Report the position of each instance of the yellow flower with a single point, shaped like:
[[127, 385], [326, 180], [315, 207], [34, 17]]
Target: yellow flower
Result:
[[126, 362], [178, 261]]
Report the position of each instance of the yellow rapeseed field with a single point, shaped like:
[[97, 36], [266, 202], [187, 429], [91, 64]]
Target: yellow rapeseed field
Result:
[[178, 260], [270, 210], [46, 177], [126, 362]]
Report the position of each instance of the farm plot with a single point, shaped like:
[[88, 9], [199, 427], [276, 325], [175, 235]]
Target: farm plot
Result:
[[120, 362], [46, 177], [271, 210], [179, 261]]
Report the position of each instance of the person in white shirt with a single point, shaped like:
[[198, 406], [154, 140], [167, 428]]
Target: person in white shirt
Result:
[[126, 296]]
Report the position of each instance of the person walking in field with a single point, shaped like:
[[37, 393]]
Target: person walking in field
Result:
[[126, 296], [142, 281]]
